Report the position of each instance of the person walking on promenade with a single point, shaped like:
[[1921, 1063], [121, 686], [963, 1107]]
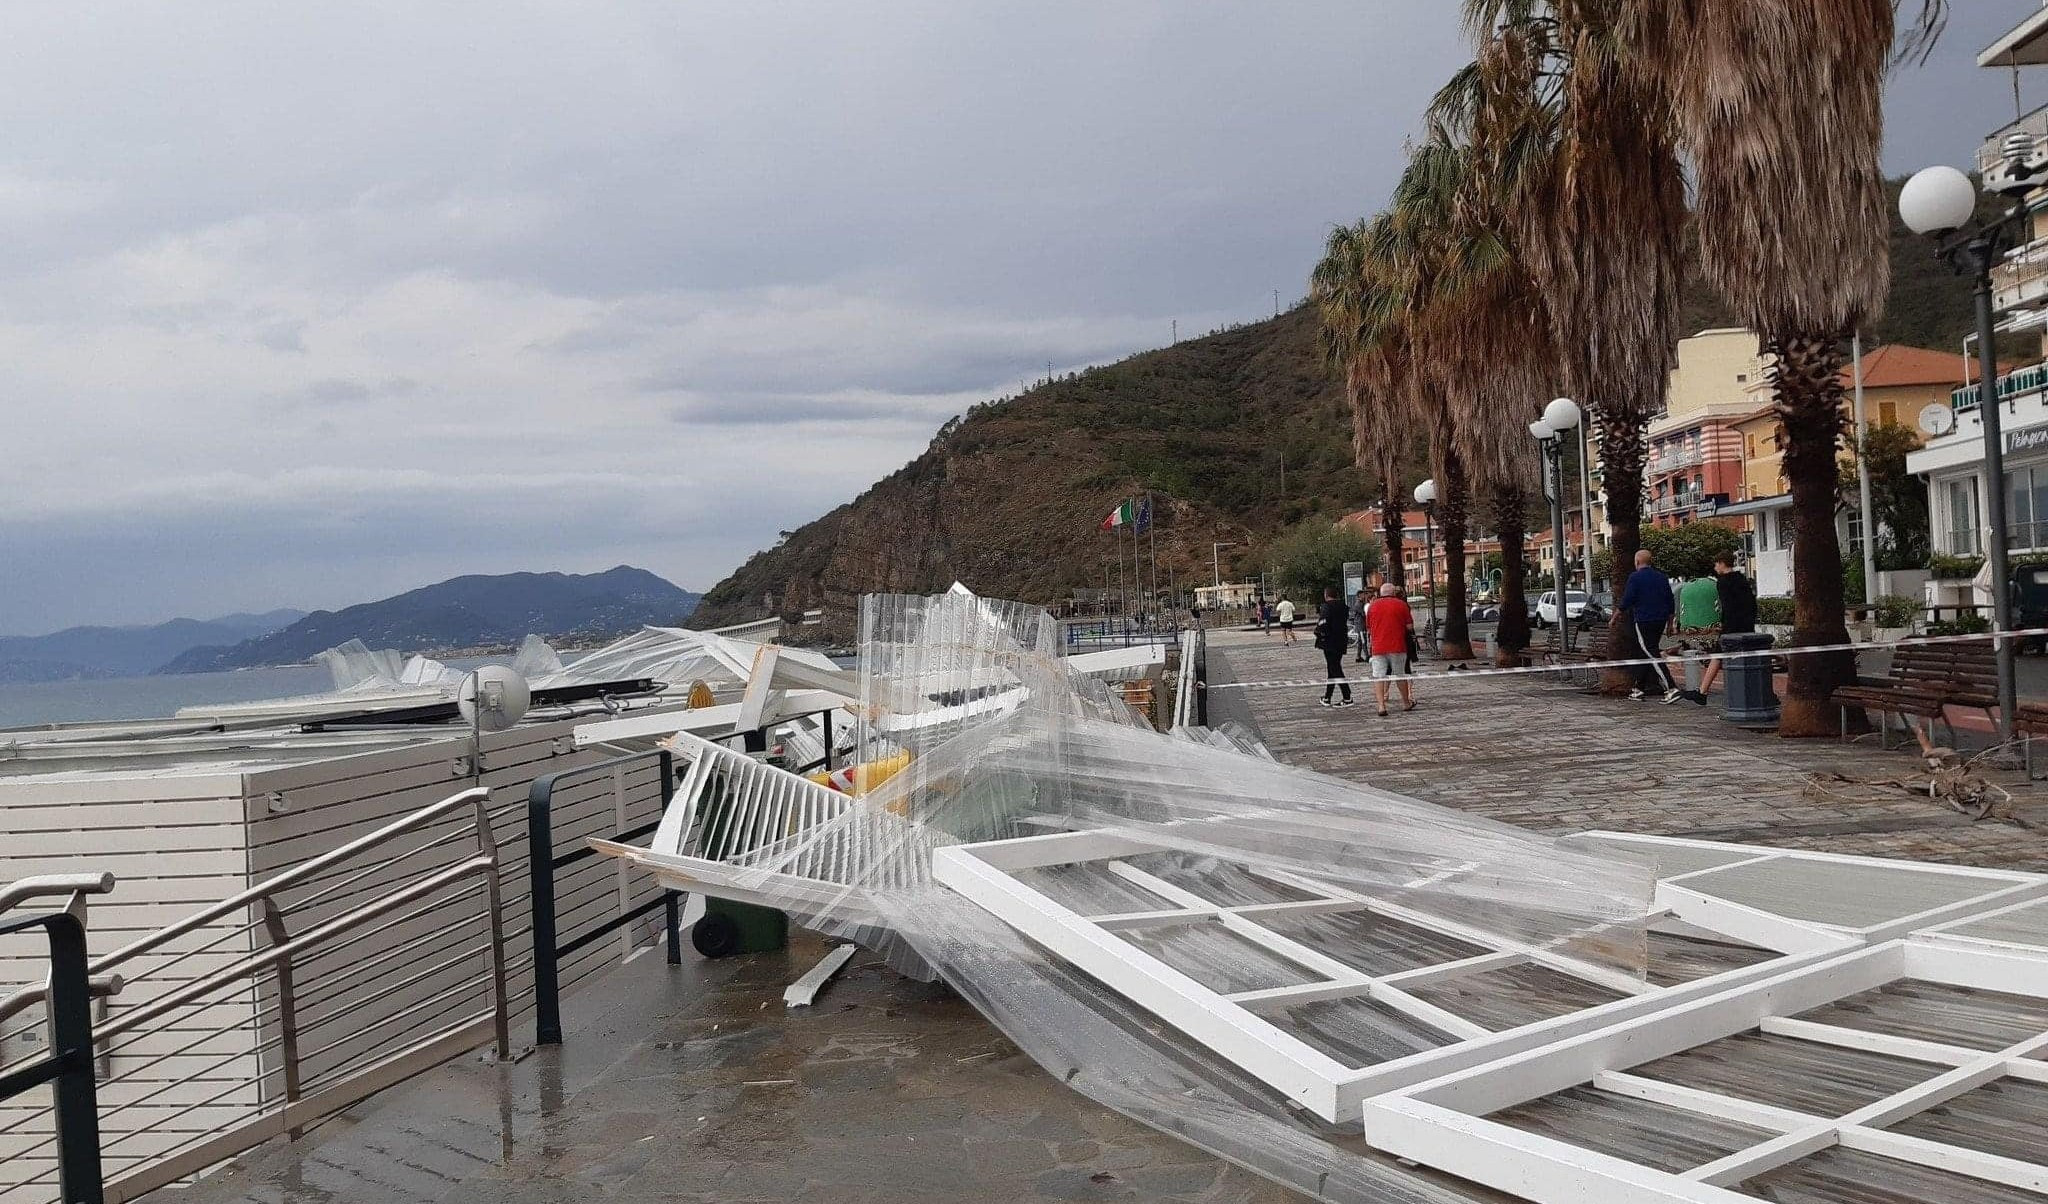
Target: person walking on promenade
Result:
[[1333, 634], [1359, 602], [1736, 598], [1287, 621], [1390, 625], [1647, 600]]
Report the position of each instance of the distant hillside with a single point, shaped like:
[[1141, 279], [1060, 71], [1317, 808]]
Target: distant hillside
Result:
[[89, 652], [465, 612], [1238, 433]]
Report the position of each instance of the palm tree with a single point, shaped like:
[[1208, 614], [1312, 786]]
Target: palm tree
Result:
[[1480, 351], [1779, 105], [1355, 335], [1592, 193]]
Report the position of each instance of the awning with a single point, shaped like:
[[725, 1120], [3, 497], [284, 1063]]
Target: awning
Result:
[[1781, 501]]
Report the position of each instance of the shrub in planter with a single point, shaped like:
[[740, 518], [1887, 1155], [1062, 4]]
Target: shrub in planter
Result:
[[1896, 611], [1961, 625], [1954, 568], [1775, 612]]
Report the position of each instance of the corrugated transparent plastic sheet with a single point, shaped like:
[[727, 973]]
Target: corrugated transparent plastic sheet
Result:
[[1011, 745]]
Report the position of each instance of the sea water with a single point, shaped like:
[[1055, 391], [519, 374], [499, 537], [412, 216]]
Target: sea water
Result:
[[27, 703]]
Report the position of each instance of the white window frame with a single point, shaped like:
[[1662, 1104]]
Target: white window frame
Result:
[[1444, 1124], [1230, 1024], [1695, 891]]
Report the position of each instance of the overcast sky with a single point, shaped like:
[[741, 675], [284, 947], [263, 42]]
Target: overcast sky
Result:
[[304, 304]]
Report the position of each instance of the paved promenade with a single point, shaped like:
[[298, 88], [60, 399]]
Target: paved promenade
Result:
[[1547, 756]]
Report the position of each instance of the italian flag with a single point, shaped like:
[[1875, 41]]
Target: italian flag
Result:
[[1119, 517]]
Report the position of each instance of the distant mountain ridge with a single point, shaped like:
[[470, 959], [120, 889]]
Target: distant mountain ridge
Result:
[[101, 652], [465, 612]]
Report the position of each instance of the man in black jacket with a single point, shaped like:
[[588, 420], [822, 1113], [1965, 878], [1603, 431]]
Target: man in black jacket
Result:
[[1736, 597], [1333, 633]]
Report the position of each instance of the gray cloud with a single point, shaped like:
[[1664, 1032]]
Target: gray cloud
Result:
[[333, 301]]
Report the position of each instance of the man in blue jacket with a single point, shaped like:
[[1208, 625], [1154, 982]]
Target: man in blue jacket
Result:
[[1646, 600]]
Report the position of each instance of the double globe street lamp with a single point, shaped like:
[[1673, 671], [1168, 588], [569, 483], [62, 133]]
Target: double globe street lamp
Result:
[[1941, 203], [1560, 418]]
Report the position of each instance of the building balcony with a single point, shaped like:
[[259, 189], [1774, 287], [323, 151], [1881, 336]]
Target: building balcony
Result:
[[2027, 380], [2021, 282], [1992, 162], [1675, 461]]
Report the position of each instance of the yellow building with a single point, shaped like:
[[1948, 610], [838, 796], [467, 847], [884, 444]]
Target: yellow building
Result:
[[1717, 369]]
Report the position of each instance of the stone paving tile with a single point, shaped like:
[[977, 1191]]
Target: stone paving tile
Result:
[[1530, 752]]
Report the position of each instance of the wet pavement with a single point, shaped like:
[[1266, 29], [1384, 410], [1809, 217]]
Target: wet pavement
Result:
[[695, 1083]]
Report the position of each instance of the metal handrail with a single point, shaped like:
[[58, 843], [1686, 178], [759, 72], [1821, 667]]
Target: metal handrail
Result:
[[69, 1064], [42, 886], [281, 1022], [542, 862], [292, 877]]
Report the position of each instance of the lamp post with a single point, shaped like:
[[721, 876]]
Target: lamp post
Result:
[[1560, 417], [1425, 497], [1941, 202], [1216, 562]]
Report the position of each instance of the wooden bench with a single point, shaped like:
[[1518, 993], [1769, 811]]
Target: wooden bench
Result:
[[2031, 721], [1924, 680], [1585, 651]]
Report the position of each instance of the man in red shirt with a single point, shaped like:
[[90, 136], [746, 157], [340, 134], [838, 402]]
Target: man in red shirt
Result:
[[1387, 624]]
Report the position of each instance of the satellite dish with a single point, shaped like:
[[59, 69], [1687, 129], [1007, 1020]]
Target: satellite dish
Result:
[[493, 698], [1938, 419]]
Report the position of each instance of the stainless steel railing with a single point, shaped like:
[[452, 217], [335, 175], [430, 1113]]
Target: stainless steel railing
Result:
[[266, 1011]]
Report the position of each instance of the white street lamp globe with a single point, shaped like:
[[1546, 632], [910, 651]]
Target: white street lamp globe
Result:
[[1562, 415], [1936, 200], [1425, 493], [1541, 430]]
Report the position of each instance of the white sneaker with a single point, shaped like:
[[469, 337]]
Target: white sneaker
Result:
[[1671, 696], [1324, 702], [1635, 695]]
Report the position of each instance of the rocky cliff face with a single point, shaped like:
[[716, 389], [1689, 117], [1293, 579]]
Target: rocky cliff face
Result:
[[1010, 498]]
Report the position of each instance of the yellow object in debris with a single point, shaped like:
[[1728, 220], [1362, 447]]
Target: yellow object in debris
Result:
[[700, 696], [858, 780]]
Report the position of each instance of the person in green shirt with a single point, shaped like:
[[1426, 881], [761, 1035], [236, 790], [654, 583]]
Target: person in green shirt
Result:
[[1699, 605]]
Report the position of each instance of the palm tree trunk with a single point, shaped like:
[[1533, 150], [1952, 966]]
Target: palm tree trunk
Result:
[[1456, 639], [1393, 520], [1806, 373], [1511, 638], [1623, 450]]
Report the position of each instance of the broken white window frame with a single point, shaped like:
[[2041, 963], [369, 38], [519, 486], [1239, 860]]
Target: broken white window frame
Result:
[[1444, 1124], [1230, 1023], [1694, 889]]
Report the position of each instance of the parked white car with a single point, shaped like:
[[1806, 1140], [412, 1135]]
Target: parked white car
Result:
[[1576, 604]]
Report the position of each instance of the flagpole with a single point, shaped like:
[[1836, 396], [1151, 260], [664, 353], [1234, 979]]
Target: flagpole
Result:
[[1152, 539]]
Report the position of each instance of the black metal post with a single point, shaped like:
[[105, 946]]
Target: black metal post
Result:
[[541, 864], [540, 873], [1553, 484], [70, 1063], [1429, 561]]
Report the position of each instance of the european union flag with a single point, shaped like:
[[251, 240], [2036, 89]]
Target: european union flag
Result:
[[1144, 519]]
